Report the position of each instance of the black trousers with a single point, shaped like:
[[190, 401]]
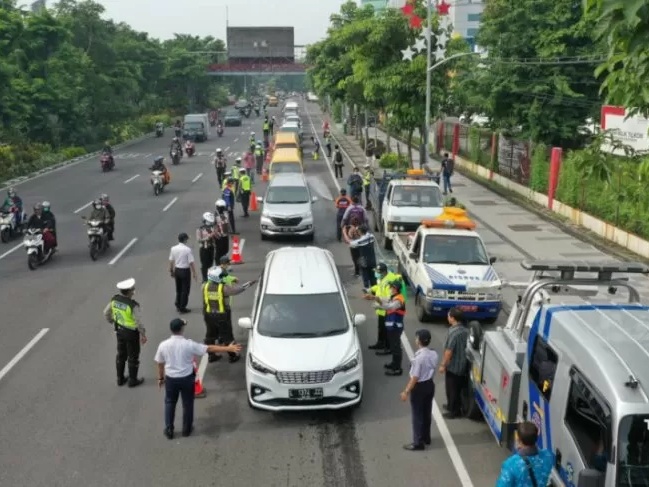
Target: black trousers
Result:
[[128, 349], [260, 164], [328, 146], [211, 330], [110, 228], [355, 255], [382, 337], [339, 229], [454, 383], [183, 387], [338, 169], [224, 324], [245, 201], [183, 286], [222, 248], [421, 406], [394, 343], [367, 274], [231, 219], [220, 174], [206, 256]]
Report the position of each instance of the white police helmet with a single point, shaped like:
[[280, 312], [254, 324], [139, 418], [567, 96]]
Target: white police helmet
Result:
[[208, 218], [220, 204], [214, 274]]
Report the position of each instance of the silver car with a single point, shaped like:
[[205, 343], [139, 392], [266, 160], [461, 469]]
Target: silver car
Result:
[[287, 207]]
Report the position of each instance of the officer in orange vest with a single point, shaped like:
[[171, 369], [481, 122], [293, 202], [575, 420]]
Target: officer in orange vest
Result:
[[395, 308], [342, 203]]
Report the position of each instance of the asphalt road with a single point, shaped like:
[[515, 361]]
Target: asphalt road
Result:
[[66, 423]]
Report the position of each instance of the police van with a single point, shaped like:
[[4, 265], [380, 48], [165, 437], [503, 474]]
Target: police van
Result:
[[577, 365]]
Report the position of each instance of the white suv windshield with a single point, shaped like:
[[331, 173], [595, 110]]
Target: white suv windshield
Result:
[[287, 195], [419, 196], [633, 460], [302, 316], [454, 249]]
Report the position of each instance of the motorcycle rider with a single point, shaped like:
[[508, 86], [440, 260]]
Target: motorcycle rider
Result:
[[176, 145], [100, 213], [205, 238], [13, 203], [40, 222], [158, 165], [108, 150], [178, 128], [220, 163], [51, 220], [159, 128], [105, 200], [219, 127], [189, 145]]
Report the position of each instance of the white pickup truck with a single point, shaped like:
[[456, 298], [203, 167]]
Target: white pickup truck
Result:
[[439, 260]]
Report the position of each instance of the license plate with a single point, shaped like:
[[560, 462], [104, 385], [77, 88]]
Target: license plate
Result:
[[305, 394], [287, 230], [468, 309]]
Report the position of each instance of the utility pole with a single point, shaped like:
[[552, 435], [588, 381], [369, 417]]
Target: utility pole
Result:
[[425, 136]]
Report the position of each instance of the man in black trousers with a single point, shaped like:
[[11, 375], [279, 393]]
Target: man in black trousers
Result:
[[454, 363], [182, 269]]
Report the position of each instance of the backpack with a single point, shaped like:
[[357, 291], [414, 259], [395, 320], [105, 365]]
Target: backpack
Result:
[[450, 166], [357, 213], [339, 156]]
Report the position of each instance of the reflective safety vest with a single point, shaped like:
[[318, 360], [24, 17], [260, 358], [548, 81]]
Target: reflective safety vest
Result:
[[367, 179], [235, 172], [213, 299], [245, 182], [394, 317], [266, 127], [259, 151], [381, 290], [121, 309]]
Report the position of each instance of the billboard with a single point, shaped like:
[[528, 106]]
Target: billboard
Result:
[[260, 42], [632, 131]]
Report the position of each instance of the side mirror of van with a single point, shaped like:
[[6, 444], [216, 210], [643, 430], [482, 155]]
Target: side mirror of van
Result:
[[589, 477], [260, 199], [359, 319], [245, 323], [314, 199], [492, 260]]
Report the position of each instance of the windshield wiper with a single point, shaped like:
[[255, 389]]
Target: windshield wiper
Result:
[[475, 262], [443, 262], [332, 332], [296, 334]]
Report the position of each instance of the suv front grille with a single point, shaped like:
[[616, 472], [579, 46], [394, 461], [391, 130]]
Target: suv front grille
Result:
[[286, 222], [318, 377]]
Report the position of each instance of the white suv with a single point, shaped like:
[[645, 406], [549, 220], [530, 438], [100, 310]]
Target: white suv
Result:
[[303, 351]]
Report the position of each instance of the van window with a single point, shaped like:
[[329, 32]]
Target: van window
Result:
[[543, 366], [285, 167], [302, 315], [287, 195], [633, 451], [588, 420]]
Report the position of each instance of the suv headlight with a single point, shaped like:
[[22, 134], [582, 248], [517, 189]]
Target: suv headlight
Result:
[[349, 364], [436, 293], [260, 366]]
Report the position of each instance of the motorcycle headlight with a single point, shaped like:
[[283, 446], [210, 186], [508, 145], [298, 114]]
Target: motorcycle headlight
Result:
[[349, 364], [260, 366]]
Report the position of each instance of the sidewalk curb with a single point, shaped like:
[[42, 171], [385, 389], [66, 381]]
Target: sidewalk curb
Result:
[[71, 162]]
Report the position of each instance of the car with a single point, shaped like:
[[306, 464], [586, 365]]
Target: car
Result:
[[241, 104], [233, 119], [286, 206], [303, 349], [292, 119], [292, 127]]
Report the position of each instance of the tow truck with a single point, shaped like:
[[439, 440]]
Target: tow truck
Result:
[[441, 259], [402, 200], [574, 363]]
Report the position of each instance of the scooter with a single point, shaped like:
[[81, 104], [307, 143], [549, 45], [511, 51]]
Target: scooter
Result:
[[219, 130], [157, 180], [35, 246], [159, 131], [97, 238], [175, 157], [9, 229], [107, 162], [189, 148]]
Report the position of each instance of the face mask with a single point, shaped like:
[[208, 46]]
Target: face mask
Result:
[[378, 275]]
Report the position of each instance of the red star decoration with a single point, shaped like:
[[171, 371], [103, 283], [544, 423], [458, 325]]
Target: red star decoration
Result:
[[408, 10], [443, 8], [415, 22]]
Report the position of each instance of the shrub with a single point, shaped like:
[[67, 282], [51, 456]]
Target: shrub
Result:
[[392, 160]]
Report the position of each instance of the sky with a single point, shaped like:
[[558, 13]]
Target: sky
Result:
[[162, 18]]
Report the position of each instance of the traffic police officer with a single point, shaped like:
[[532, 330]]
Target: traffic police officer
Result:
[[342, 203], [382, 290], [205, 236], [221, 230], [266, 126], [123, 313], [259, 158], [216, 304], [229, 197], [395, 307], [421, 390], [245, 188]]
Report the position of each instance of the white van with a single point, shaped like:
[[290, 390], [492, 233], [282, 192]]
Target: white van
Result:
[[291, 108], [303, 349]]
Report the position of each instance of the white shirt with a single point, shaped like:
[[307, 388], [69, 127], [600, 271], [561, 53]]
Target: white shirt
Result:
[[177, 353], [182, 256]]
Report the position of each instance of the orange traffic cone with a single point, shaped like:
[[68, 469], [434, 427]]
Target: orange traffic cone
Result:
[[253, 201], [264, 175], [199, 390], [236, 251]]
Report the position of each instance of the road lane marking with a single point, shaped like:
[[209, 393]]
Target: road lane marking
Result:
[[78, 210], [198, 176], [20, 355], [228, 147], [131, 179], [324, 153], [10, 251], [236, 140], [242, 242], [123, 251], [170, 204]]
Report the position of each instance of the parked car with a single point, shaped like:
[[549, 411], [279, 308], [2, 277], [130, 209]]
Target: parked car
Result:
[[233, 119]]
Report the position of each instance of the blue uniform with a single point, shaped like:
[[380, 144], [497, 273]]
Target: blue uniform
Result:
[[423, 367], [228, 197], [516, 473]]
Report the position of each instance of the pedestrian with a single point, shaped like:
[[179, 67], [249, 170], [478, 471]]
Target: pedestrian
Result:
[[328, 145], [338, 162], [221, 230], [245, 188], [205, 235], [351, 232], [366, 255], [448, 168], [175, 358], [182, 269], [249, 164], [356, 211], [355, 183], [367, 184], [529, 466], [342, 203], [217, 307], [229, 197], [123, 313], [454, 363], [395, 307], [381, 290], [421, 390]]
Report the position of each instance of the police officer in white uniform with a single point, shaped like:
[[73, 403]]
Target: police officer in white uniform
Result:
[[182, 269]]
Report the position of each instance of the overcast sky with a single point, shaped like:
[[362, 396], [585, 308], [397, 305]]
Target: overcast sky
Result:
[[162, 18]]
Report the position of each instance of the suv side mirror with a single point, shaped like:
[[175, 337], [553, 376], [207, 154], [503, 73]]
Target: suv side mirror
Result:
[[492, 259], [260, 199], [314, 199], [245, 323]]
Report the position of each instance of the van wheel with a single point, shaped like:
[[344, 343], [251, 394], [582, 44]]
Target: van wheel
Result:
[[422, 314], [469, 404]]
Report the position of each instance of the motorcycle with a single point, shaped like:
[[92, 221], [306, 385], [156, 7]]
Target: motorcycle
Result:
[[175, 157], [97, 237], [159, 132], [107, 162], [178, 131], [9, 229], [219, 130], [189, 148], [35, 246], [157, 180]]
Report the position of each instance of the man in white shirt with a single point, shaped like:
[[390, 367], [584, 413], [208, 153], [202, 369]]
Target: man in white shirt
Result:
[[181, 262], [175, 359]]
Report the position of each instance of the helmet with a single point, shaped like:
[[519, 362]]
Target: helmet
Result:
[[46, 205], [242, 170], [175, 139], [218, 151], [104, 197], [11, 192], [158, 159], [220, 204], [396, 284], [97, 204], [38, 206], [238, 160], [252, 134], [214, 274], [208, 218]]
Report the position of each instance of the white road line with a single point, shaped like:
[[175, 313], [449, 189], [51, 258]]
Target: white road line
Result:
[[20, 355], [131, 179], [324, 153], [10, 251], [228, 147], [78, 210], [123, 251], [170, 204], [198, 176], [236, 140], [242, 242]]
